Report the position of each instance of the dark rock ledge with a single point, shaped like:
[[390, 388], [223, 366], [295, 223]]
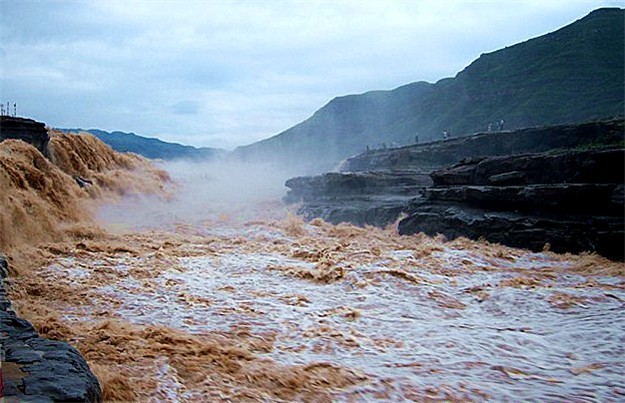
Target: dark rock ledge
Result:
[[34, 369], [562, 186], [572, 200], [28, 130], [361, 198]]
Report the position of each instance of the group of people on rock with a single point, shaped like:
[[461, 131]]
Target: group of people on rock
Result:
[[496, 126]]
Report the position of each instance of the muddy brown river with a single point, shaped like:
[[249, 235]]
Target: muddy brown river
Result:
[[198, 297], [286, 310]]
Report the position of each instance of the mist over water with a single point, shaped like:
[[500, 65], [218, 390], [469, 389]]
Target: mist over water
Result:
[[203, 191], [208, 290]]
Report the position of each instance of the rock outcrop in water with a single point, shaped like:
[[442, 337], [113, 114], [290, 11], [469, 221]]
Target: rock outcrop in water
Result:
[[361, 198], [38, 369], [561, 185]]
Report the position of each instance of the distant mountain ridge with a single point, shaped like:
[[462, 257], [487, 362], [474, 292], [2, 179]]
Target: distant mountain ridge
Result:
[[150, 147], [571, 75]]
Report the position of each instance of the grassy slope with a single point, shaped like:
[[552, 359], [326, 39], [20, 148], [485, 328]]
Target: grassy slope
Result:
[[571, 75]]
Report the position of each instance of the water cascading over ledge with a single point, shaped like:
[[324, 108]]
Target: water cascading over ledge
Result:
[[41, 200]]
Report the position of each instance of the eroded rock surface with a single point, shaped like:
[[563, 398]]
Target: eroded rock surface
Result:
[[561, 186], [35, 369], [361, 198], [571, 200], [27, 130]]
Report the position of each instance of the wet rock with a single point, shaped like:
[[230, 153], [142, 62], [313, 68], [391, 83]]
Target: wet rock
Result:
[[82, 182], [564, 233], [61, 374], [4, 267], [560, 185], [363, 198], [592, 166], [35, 369], [376, 211], [343, 184], [570, 199], [27, 130], [550, 198], [618, 195]]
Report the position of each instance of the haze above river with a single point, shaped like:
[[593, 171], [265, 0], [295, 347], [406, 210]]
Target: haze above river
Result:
[[242, 300]]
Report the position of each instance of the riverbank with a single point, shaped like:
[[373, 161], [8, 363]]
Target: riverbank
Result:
[[38, 369]]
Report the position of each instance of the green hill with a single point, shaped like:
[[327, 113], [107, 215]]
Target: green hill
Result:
[[150, 147], [572, 75]]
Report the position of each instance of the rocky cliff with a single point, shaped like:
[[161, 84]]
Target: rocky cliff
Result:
[[561, 186], [28, 130], [571, 201], [437, 154]]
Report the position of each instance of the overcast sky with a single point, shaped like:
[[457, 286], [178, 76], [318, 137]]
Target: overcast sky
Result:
[[228, 73]]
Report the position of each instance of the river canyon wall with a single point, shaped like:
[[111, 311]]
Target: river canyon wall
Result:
[[559, 187]]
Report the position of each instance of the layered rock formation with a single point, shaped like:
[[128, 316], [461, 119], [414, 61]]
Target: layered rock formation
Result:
[[561, 186], [572, 201], [362, 198], [438, 154], [35, 369], [28, 130]]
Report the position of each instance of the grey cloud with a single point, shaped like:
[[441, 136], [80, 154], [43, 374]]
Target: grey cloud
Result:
[[223, 73], [186, 108]]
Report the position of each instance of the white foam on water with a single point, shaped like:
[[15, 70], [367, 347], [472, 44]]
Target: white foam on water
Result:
[[436, 333]]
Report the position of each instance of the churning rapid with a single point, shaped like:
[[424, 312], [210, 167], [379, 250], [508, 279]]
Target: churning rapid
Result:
[[188, 294]]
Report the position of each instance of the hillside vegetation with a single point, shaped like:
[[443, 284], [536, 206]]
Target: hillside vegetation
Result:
[[150, 147], [572, 75]]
